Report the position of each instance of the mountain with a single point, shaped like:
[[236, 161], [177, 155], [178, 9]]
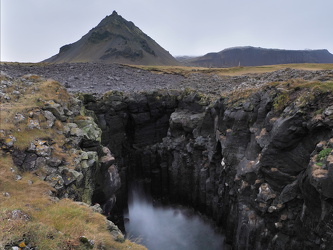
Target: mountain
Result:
[[115, 40], [252, 56], [182, 59]]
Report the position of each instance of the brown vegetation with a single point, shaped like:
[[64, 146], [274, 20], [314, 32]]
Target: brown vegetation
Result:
[[233, 71], [29, 214]]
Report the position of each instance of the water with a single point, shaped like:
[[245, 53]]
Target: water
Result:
[[168, 228]]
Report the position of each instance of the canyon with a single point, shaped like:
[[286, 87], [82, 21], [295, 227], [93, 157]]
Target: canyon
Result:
[[252, 152], [252, 165]]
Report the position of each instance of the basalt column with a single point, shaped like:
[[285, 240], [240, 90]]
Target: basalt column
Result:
[[129, 124], [260, 165]]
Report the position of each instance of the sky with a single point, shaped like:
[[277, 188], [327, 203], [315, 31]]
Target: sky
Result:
[[33, 30]]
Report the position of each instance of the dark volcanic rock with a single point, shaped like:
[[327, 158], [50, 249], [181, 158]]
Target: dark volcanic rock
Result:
[[115, 40], [249, 166], [260, 164]]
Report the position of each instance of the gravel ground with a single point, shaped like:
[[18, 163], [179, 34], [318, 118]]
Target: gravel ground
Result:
[[96, 78], [99, 78]]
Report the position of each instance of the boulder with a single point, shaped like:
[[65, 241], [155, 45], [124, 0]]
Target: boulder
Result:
[[56, 109], [115, 232]]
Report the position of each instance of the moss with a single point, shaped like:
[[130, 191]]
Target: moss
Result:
[[195, 96], [281, 101], [235, 98], [323, 154], [319, 111], [23, 138]]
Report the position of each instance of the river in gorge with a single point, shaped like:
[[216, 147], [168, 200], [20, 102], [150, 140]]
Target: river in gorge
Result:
[[161, 227]]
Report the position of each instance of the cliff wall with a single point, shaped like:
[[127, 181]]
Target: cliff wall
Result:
[[256, 157], [257, 160]]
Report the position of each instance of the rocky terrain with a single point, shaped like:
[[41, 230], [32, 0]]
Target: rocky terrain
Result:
[[253, 152], [52, 165], [96, 77], [252, 56], [99, 78]]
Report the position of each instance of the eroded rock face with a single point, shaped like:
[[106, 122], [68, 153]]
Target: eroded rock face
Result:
[[129, 123], [259, 165], [65, 149], [251, 165]]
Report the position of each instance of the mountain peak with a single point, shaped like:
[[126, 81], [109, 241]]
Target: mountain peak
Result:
[[112, 19], [115, 39]]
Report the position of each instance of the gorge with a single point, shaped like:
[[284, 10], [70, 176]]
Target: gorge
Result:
[[255, 157], [253, 166]]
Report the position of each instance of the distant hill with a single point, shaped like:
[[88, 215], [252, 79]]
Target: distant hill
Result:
[[252, 56], [182, 59], [115, 40]]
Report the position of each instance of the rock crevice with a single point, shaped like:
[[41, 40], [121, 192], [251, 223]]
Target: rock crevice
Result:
[[257, 160], [251, 165]]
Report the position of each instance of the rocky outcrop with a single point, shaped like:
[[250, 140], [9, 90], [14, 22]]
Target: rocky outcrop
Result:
[[66, 150], [258, 161], [250, 170], [129, 123]]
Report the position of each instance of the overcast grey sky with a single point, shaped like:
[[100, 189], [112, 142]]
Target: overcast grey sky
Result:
[[33, 30]]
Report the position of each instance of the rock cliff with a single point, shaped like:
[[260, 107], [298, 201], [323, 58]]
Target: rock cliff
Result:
[[257, 160], [52, 157], [252, 152]]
